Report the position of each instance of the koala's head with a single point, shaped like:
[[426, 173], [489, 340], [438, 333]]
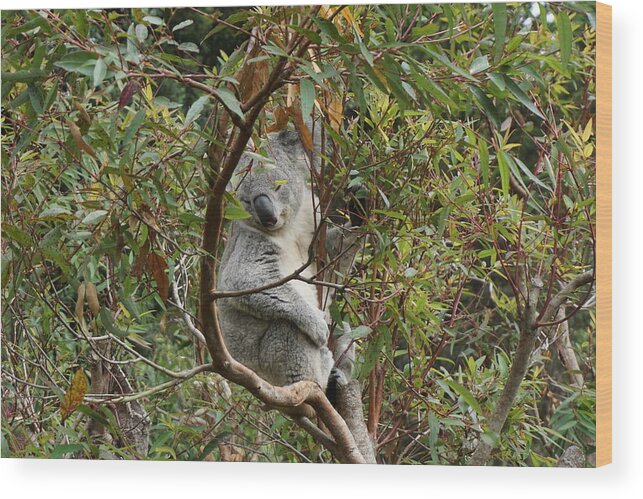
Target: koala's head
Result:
[[271, 189]]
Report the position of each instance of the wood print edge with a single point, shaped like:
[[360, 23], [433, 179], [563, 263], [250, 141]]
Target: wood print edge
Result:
[[603, 234]]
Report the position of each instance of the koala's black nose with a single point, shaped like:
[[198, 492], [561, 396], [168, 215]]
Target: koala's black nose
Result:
[[265, 210]]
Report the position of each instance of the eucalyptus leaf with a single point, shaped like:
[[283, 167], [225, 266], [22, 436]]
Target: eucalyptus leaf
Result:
[[100, 71], [229, 100]]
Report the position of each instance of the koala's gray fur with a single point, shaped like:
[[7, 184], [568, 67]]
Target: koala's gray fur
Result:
[[281, 333]]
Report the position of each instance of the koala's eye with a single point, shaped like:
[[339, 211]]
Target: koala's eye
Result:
[[245, 201], [278, 187]]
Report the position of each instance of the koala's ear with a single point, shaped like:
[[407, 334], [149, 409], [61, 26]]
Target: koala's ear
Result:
[[239, 174], [290, 141]]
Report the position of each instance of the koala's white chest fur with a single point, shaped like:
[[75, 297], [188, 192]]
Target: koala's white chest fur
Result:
[[294, 241]]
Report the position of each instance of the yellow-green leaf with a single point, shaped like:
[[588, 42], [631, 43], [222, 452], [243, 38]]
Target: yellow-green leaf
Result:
[[74, 395]]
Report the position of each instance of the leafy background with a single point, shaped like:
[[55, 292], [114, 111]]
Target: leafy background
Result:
[[470, 126]]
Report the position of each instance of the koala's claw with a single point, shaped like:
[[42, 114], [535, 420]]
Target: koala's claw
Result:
[[336, 379]]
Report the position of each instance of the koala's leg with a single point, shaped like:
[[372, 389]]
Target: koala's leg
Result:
[[345, 394], [287, 356], [345, 351]]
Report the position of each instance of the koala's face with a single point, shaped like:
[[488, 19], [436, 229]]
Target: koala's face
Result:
[[271, 190]]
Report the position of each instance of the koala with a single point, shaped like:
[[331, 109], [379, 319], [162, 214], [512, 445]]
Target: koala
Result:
[[281, 333]]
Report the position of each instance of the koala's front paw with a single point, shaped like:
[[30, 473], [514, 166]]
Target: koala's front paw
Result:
[[318, 329]]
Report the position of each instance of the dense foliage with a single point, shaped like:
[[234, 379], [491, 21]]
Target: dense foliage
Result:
[[471, 128]]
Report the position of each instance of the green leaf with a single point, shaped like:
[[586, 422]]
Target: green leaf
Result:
[[513, 169], [131, 306], [188, 47], [307, 95], [479, 64], [518, 93], [195, 110], [483, 151], [485, 104], [564, 26], [132, 50], [500, 28], [530, 174], [53, 212], [23, 76], [211, 445], [141, 32], [17, 235], [60, 450], [78, 62], [183, 24], [134, 126], [309, 34], [366, 53], [434, 90], [498, 80], [444, 60], [273, 49], [410, 272], [35, 97], [153, 20], [434, 429], [503, 167], [100, 71], [360, 332], [229, 100], [490, 438], [373, 351], [108, 323], [94, 217], [166, 449], [235, 211], [466, 395], [191, 219]]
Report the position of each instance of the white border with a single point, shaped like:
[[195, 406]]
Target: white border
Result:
[[65, 479]]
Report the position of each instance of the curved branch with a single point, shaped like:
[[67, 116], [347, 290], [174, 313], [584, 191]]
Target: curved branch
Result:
[[198, 335], [559, 299], [113, 398]]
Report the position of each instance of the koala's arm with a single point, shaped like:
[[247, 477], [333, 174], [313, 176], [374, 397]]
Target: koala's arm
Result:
[[279, 303]]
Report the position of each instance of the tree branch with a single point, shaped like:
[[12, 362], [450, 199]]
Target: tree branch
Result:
[[559, 299], [529, 329], [113, 398]]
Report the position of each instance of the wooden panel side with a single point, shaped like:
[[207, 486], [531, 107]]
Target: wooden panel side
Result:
[[604, 234]]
